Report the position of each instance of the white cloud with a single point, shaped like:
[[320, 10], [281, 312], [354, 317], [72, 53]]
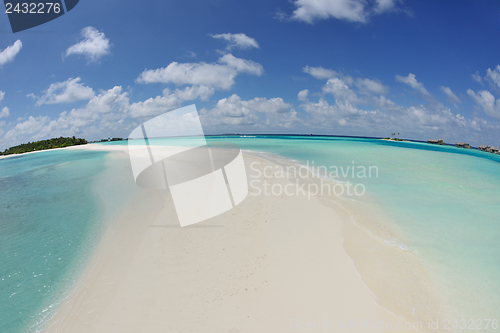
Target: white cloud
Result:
[[339, 82], [68, 91], [111, 112], [93, 46], [320, 73], [325, 115], [487, 101], [155, 106], [345, 116], [194, 92], [494, 76], [452, 98], [367, 86], [417, 121], [350, 10], [190, 54], [383, 6], [10, 52], [241, 41], [340, 91], [242, 65], [476, 77], [234, 111], [311, 10], [386, 104], [105, 110], [412, 82], [169, 101], [302, 95], [28, 127], [215, 75], [108, 112], [4, 113]]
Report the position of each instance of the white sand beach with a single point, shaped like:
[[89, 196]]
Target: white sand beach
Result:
[[272, 264]]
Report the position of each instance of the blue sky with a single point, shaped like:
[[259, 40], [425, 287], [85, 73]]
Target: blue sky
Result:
[[425, 69]]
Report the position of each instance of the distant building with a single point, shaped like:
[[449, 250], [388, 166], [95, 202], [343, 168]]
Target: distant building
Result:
[[436, 141], [463, 145], [489, 149]]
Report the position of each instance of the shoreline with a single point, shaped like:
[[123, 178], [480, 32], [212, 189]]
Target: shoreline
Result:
[[379, 255], [39, 151], [145, 269]]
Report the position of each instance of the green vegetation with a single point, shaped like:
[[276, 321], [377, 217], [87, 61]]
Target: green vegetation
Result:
[[43, 145], [393, 139]]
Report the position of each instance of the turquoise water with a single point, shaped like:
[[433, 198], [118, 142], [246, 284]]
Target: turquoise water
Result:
[[444, 201], [52, 213]]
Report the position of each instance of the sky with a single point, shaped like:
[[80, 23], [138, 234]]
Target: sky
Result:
[[424, 69]]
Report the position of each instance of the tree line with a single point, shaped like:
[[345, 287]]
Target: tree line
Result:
[[44, 144]]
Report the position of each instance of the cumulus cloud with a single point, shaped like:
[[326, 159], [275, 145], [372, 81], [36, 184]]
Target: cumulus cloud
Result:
[[105, 110], [386, 104], [415, 120], [487, 102], [4, 113], [369, 113], [367, 86], [312, 10], [234, 111], [105, 113], [302, 95], [190, 54], [350, 10], [28, 127], [242, 65], [93, 46], [412, 82], [345, 88], [194, 92], [494, 76], [10, 52], [154, 106], [382, 6], [68, 91], [348, 113], [168, 101], [214, 75], [241, 41], [452, 98], [320, 73], [340, 91], [477, 77]]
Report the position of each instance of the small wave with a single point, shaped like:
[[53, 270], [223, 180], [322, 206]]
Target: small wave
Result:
[[397, 243]]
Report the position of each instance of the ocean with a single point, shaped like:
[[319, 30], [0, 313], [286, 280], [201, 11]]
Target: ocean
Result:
[[54, 208], [442, 204]]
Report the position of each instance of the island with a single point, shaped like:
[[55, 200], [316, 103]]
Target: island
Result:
[[60, 142]]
